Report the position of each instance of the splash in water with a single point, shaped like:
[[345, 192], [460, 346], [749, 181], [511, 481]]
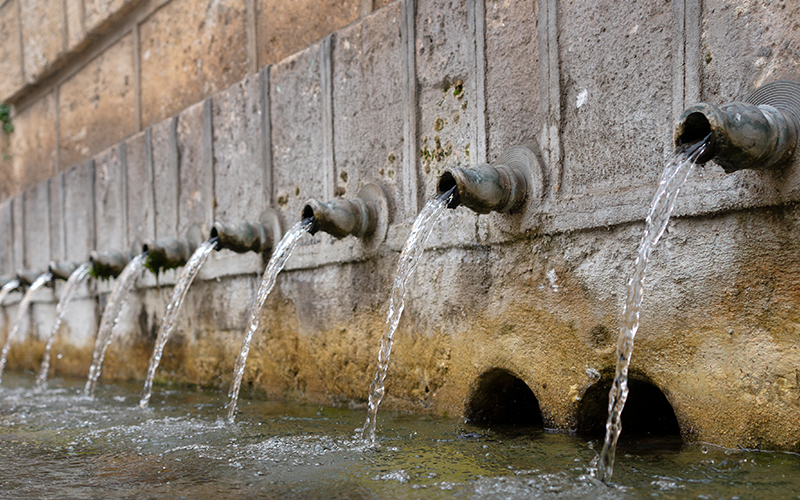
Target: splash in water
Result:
[[279, 257], [74, 282], [119, 295], [412, 251], [673, 177], [23, 309], [196, 261]]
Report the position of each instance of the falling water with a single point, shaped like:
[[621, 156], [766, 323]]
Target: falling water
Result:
[[74, 282], [119, 295], [188, 274], [673, 177], [412, 251], [23, 308], [279, 257]]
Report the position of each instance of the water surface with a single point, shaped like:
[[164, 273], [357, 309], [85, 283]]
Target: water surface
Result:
[[56, 444]]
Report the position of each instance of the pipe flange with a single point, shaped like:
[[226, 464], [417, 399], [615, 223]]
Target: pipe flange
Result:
[[378, 208], [780, 94], [522, 160]]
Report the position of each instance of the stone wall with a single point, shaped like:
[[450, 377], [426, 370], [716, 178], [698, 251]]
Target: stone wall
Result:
[[393, 99], [84, 74]]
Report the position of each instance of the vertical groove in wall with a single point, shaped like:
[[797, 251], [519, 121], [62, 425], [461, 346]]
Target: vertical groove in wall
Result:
[[65, 31], [151, 184], [252, 31], [479, 30], [679, 53], [57, 130], [410, 174], [23, 246], [137, 78], [366, 7], [550, 93], [693, 58], [175, 169], [21, 43], [62, 202], [123, 173], [266, 134], [208, 158], [326, 83], [91, 167]]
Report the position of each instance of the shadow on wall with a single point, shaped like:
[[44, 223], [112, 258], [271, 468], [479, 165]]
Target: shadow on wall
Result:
[[502, 401], [647, 412]]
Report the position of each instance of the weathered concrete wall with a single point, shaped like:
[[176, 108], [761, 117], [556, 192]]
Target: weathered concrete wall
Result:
[[395, 98]]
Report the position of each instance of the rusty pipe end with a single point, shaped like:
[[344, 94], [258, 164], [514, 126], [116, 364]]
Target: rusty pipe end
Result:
[[167, 253], [108, 264], [447, 181], [243, 237], [62, 270], [341, 217]]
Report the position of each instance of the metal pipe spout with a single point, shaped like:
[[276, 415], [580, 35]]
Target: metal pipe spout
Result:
[[359, 217], [108, 264], [760, 133], [504, 187], [62, 270], [28, 276], [243, 237], [168, 253]]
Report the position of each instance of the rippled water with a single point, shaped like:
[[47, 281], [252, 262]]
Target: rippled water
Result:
[[55, 444]]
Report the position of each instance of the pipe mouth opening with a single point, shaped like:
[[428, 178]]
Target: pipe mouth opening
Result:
[[695, 128], [503, 402], [447, 182], [214, 233], [146, 247], [308, 213], [647, 413]]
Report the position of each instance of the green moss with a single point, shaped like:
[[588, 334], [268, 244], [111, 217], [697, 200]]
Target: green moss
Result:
[[5, 118]]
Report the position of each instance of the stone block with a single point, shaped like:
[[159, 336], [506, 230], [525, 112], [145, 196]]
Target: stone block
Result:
[[55, 186], [747, 44], [139, 181], [297, 133], [6, 250], [512, 74], [43, 35], [445, 58], [79, 212], [165, 177], [196, 176], [189, 50], [43, 313], [10, 51], [238, 169], [287, 27], [80, 323], [33, 142], [100, 14], [617, 95], [37, 227], [18, 234], [96, 104], [109, 197], [369, 105]]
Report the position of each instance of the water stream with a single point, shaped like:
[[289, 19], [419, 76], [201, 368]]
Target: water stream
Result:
[[190, 270], [122, 287], [412, 251], [280, 255], [672, 178], [23, 309], [74, 283]]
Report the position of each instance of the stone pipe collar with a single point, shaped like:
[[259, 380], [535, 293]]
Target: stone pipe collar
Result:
[[62, 270], [505, 187], [361, 217], [758, 134], [108, 264]]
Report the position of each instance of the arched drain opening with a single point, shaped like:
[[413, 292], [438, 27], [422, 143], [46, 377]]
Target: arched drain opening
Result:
[[647, 412], [504, 402]]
